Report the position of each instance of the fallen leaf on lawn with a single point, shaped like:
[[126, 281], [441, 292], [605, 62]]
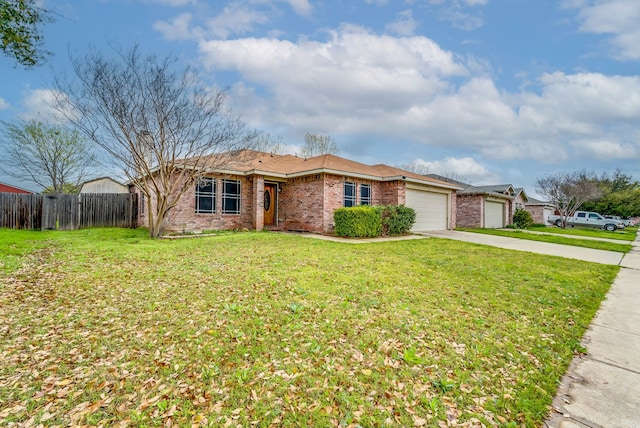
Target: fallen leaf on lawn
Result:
[[419, 422]]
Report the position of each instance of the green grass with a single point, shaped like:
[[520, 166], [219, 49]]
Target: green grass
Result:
[[576, 242], [253, 329], [626, 234]]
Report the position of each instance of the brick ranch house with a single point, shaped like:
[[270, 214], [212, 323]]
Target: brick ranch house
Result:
[[486, 206], [257, 190]]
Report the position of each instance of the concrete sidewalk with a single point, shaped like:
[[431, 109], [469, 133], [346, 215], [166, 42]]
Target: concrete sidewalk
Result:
[[602, 388]]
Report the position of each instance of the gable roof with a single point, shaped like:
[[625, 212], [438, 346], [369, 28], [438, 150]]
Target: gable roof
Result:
[[505, 189], [468, 189], [250, 162], [534, 201]]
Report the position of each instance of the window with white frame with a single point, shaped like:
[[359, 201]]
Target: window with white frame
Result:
[[365, 194], [206, 196], [349, 194], [230, 197]]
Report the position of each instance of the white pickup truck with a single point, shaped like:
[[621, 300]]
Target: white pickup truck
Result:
[[588, 219]]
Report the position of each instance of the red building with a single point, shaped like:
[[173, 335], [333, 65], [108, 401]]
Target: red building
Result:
[[6, 188]]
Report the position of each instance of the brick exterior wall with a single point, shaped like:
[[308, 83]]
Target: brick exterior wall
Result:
[[302, 204], [183, 218], [453, 220], [537, 213], [308, 203], [469, 211]]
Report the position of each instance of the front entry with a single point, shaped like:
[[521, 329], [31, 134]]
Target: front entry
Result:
[[270, 204]]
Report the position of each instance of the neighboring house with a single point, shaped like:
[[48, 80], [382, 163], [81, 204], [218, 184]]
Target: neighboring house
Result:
[[518, 195], [103, 185], [540, 210], [479, 206], [7, 188], [256, 190]]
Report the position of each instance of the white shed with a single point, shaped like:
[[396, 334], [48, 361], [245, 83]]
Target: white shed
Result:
[[103, 185]]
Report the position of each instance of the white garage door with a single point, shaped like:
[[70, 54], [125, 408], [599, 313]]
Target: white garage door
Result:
[[431, 209], [546, 213], [493, 215]]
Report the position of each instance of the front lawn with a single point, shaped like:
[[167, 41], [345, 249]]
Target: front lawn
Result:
[[576, 242], [105, 326]]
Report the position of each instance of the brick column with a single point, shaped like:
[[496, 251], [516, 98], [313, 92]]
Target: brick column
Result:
[[258, 202]]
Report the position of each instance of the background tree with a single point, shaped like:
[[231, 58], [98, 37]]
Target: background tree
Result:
[[568, 191], [52, 156], [19, 33], [162, 126], [621, 195], [416, 168], [316, 145], [265, 142]]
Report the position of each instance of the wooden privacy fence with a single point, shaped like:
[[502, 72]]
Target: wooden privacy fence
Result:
[[68, 212]]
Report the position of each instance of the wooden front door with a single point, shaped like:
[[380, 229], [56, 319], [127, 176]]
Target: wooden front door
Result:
[[269, 204]]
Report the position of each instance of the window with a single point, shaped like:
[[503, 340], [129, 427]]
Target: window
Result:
[[581, 215], [230, 197], [349, 194], [365, 194], [206, 196]]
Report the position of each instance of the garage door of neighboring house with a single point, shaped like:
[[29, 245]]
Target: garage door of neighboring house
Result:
[[431, 209], [493, 214], [546, 213]]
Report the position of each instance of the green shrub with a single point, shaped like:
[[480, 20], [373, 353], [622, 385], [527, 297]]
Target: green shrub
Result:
[[397, 219], [358, 222], [369, 221], [522, 219]]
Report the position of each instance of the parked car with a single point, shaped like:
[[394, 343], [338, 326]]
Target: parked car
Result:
[[627, 222], [588, 219]]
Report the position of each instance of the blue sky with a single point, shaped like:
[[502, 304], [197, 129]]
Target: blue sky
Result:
[[487, 91]]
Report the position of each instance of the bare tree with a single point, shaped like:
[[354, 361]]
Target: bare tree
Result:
[[52, 156], [415, 167], [568, 191], [265, 142], [316, 145], [163, 127]]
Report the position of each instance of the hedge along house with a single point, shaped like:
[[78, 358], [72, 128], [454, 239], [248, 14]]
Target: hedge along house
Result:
[[257, 190]]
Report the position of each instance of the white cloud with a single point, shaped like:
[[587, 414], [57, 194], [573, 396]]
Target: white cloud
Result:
[[38, 105], [301, 7], [617, 18], [605, 150], [462, 20], [179, 28], [3, 104], [236, 18], [404, 25], [464, 169], [408, 88]]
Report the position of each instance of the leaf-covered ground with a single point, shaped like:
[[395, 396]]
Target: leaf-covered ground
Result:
[[108, 328]]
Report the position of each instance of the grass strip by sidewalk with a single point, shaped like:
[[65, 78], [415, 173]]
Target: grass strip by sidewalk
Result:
[[626, 234], [576, 242], [105, 326]]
